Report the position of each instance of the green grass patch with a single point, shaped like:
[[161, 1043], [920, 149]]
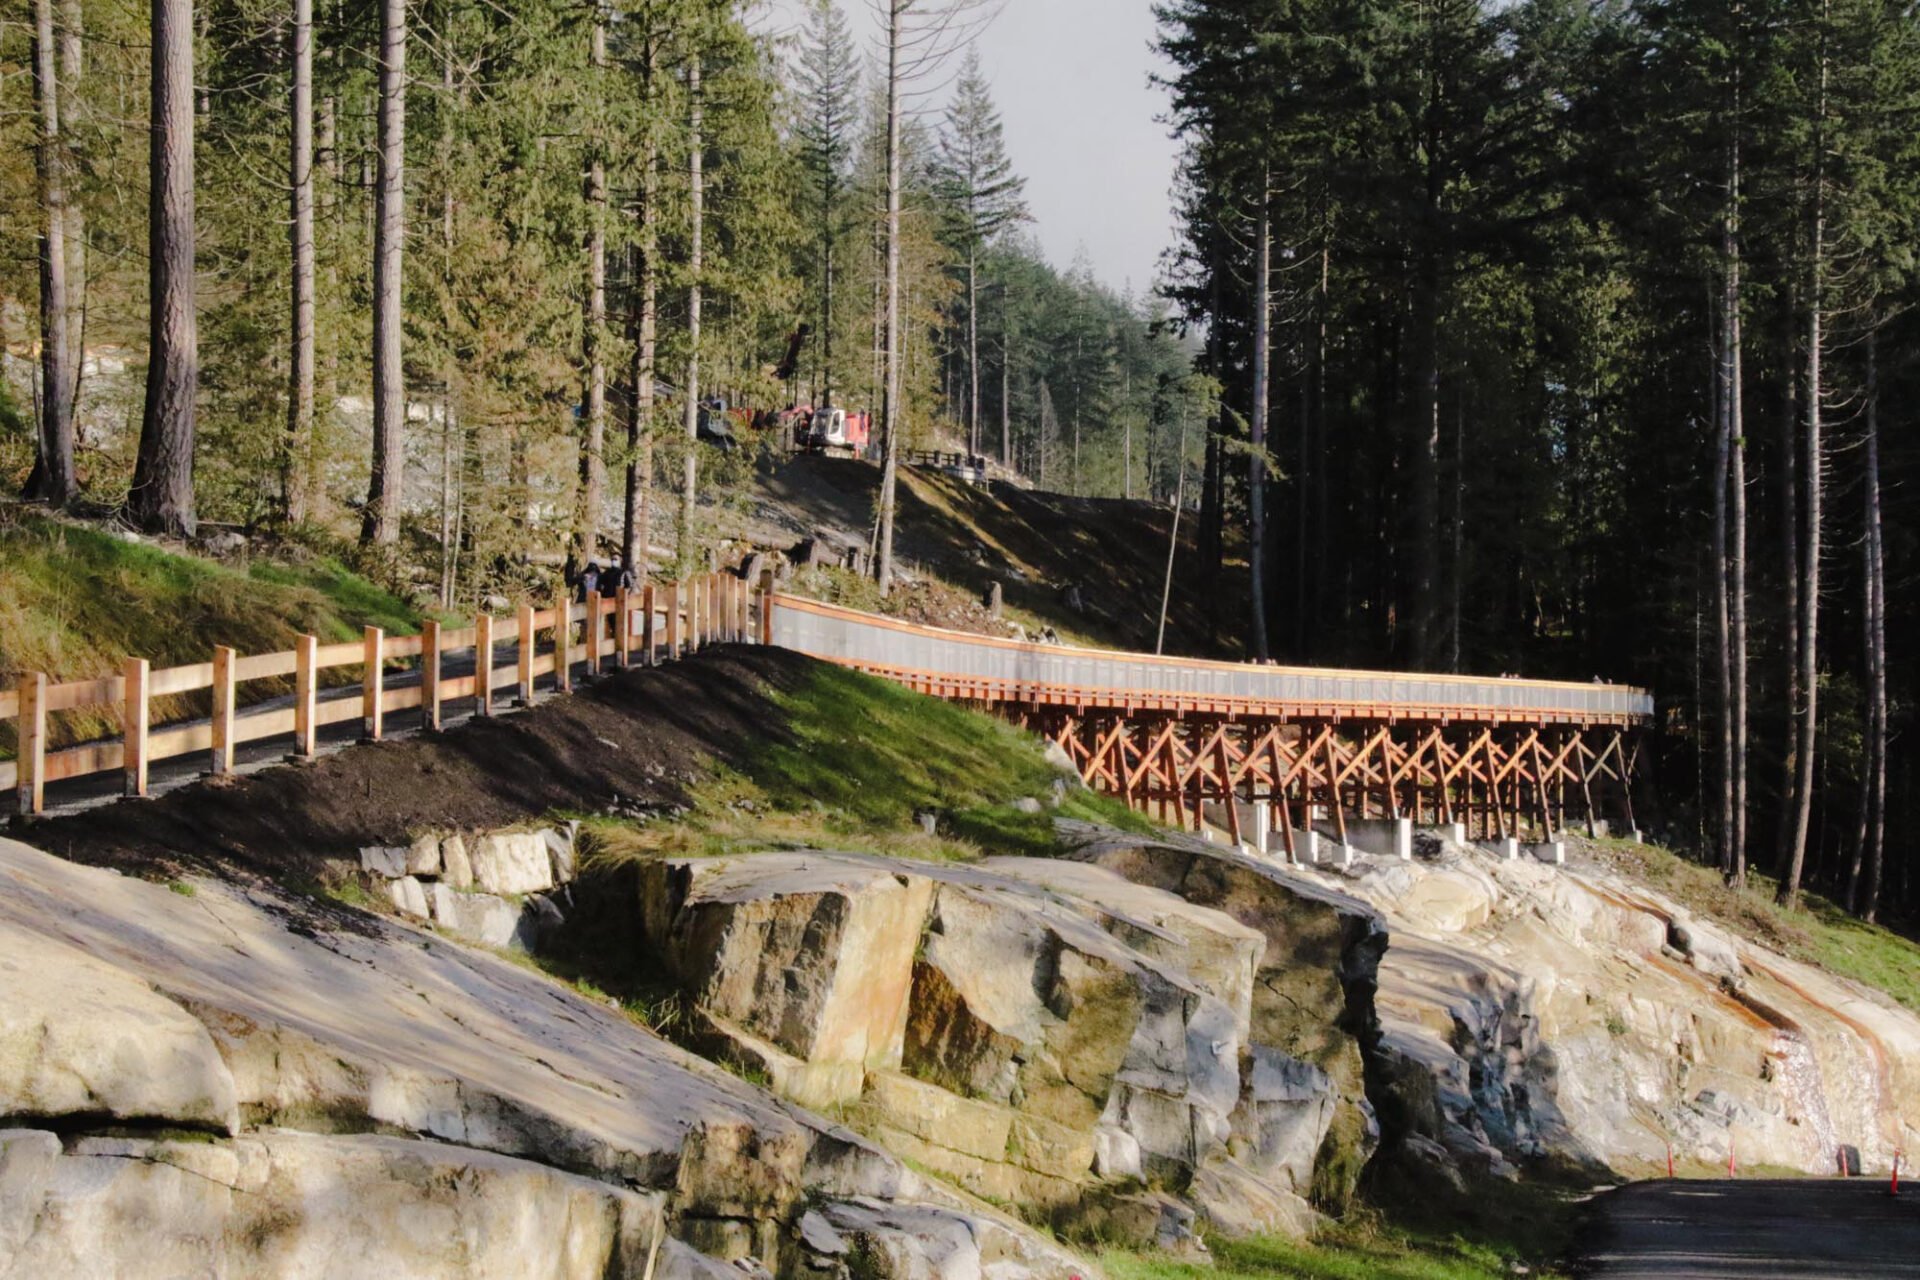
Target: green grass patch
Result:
[[856, 761], [76, 602], [1517, 1229], [1819, 933]]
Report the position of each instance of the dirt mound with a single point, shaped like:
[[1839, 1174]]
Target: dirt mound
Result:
[[634, 741]]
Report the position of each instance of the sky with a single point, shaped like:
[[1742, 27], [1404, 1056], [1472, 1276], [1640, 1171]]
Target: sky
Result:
[[1071, 79]]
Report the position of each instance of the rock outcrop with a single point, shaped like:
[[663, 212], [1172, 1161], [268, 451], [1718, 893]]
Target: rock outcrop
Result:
[[1047, 1033], [226, 1080], [1571, 1012]]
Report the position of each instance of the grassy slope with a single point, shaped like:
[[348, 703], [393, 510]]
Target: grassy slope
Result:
[[1820, 934], [76, 602], [860, 758]]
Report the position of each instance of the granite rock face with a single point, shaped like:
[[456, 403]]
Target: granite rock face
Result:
[[1572, 1012], [333, 1094], [1042, 1032]]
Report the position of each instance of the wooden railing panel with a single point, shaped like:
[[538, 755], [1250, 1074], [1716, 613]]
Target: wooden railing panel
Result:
[[176, 680]]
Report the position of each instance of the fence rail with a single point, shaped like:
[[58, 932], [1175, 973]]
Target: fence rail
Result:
[[656, 623], [660, 623]]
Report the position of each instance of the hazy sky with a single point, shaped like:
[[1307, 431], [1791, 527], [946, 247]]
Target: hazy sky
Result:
[[1071, 81]]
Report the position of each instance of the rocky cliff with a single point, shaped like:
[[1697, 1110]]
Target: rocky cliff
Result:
[[1572, 1013], [1119, 1041], [225, 1080]]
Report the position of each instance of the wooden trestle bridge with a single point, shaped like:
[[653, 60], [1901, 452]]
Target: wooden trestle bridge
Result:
[[1199, 742], [1305, 751]]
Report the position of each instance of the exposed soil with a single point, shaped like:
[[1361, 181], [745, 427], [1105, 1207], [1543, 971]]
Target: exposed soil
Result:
[[1038, 546], [632, 741]]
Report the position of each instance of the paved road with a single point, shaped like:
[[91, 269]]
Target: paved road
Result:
[[1754, 1230]]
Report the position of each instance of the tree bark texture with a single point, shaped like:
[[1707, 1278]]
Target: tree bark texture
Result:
[[385, 490]]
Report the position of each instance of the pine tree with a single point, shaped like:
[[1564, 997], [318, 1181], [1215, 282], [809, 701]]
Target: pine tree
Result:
[[982, 197]]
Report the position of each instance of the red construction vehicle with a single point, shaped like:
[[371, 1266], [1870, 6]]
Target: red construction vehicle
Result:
[[835, 432]]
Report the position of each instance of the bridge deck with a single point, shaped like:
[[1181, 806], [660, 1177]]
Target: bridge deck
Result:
[[983, 668]]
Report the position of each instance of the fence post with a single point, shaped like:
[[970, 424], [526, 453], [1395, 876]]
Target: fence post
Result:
[[623, 636], [373, 717], [223, 683], [673, 622], [742, 609], [33, 742], [527, 647], [563, 644], [134, 718], [595, 629], [730, 599], [306, 697], [430, 674], [766, 608], [483, 664], [646, 624]]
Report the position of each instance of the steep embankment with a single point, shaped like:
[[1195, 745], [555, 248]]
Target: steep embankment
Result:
[[1090, 567]]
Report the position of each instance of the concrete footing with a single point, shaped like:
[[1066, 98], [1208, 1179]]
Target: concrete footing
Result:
[[1381, 837], [1552, 852], [1505, 848], [1454, 831]]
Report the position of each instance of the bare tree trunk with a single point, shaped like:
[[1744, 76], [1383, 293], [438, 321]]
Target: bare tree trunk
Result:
[[73, 213], [1789, 519], [973, 351], [696, 179], [1876, 833], [1006, 382], [452, 435], [1424, 451], [327, 395], [593, 465], [1262, 379], [637, 533], [891, 419], [161, 500], [1737, 509], [295, 482], [1723, 634], [381, 522], [1789, 893], [52, 479]]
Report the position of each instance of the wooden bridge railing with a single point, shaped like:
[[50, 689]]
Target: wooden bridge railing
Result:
[[649, 625]]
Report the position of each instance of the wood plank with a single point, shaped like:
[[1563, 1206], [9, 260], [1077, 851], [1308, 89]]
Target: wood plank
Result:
[[90, 757], [372, 681], [400, 699], [264, 666], [224, 660], [263, 724], [85, 693], [338, 710], [348, 653], [174, 680], [402, 647], [172, 743], [135, 717]]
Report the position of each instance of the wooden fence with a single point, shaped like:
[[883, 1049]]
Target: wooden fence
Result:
[[654, 624]]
